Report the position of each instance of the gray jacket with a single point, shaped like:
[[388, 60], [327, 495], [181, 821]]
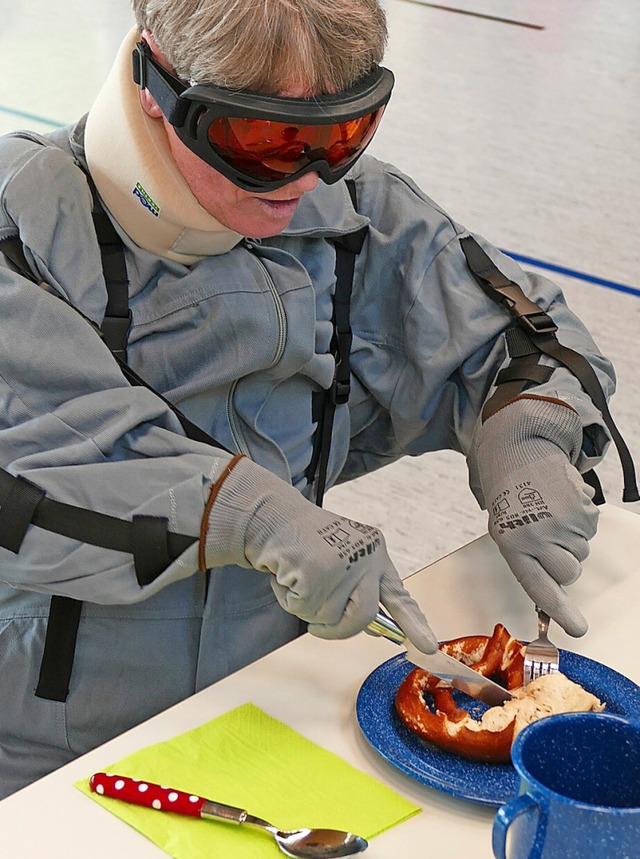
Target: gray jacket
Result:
[[240, 343]]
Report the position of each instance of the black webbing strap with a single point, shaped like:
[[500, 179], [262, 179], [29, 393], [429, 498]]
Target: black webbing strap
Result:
[[581, 368], [59, 649], [12, 248], [20, 499], [150, 547], [18, 502], [117, 317], [147, 538], [191, 430], [324, 402], [116, 323], [592, 480], [524, 369], [505, 292], [541, 330]]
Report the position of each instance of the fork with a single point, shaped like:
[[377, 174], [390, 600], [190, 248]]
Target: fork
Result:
[[540, 656]]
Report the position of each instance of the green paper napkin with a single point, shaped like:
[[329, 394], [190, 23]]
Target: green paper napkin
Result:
[[248, 759]]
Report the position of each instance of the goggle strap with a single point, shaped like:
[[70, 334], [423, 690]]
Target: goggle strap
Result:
[[139, 66], [148, 74]]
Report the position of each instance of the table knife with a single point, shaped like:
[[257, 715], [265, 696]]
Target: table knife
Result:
[[450, 670]]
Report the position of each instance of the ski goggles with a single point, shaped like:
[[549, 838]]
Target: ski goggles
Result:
[[262, 142]]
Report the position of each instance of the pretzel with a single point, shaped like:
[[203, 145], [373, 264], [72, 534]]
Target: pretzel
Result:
[[427, 707]]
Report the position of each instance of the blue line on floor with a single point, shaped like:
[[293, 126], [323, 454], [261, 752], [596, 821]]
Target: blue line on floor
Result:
[[570, 272], [31, 116]]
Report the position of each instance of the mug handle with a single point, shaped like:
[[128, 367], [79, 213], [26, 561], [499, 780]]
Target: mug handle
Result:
[[505, 816]]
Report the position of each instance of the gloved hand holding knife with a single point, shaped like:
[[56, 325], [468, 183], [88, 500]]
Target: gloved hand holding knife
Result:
[[330, 571]]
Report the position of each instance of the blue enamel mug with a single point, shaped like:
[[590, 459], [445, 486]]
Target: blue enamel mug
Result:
[[579, 791]]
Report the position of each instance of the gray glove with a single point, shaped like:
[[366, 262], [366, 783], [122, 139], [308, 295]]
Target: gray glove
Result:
[[540, 510], [327, 570]]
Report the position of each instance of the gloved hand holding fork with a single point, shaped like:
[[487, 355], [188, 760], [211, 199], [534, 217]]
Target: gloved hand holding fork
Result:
[[541, 514]]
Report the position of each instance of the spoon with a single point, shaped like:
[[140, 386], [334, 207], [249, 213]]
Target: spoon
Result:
[[299, 843]]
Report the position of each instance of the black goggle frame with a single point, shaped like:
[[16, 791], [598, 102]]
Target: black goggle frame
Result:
[[192, 109]]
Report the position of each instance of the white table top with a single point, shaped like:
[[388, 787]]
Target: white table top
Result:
[[464, 593]]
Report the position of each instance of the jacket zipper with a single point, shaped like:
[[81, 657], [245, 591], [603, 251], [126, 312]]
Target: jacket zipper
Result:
[[239, 442]]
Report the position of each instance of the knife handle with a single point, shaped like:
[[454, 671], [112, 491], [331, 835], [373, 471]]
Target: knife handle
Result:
[[146, 793], [386, 626]]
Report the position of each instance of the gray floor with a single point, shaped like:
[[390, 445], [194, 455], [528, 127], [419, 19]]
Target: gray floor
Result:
[[526, 129]]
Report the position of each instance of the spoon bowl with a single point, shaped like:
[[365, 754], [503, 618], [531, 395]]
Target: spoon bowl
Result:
[[318, 843]]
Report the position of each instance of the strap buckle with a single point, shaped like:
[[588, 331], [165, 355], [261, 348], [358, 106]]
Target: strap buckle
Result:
[[538, 323], [114, 331], [527, 314], [339, 392]]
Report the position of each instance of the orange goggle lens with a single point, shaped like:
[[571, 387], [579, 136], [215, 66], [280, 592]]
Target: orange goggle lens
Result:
[[266, 149]]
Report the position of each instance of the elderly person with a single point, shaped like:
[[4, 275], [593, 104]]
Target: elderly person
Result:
[[160, 525]]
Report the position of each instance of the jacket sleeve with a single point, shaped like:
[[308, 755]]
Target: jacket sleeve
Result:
[[428, 342], [69, 422]]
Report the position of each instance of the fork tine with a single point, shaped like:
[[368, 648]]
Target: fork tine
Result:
[[541, 656], [539, 668]]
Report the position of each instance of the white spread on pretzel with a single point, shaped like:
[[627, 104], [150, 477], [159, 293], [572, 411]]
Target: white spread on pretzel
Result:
[[545, 696]]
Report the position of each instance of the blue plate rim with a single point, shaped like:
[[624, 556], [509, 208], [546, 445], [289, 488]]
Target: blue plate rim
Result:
[[486, 784]]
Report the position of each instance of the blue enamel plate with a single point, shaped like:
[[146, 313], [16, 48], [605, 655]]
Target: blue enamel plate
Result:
[[488, 784]]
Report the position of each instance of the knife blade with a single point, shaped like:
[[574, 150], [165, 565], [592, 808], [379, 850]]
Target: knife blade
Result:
[[456, 673], [459, 675]]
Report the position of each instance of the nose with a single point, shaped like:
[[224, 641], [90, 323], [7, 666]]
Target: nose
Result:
[[305, 183]]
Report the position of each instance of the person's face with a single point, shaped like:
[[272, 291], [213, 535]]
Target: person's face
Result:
[[250, 214], [255, 215]]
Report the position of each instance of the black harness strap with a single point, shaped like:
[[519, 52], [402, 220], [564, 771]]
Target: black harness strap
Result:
[[324, 402], [20, 499], [59, 649], [581, 368], [12, 248], [18, 503], [117, 318], [147, 538], [524, 369], [150, 547], [540, 329], [592, 480], [116, 323]]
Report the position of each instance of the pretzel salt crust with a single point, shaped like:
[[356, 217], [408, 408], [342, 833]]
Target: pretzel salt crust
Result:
[[427, 707]]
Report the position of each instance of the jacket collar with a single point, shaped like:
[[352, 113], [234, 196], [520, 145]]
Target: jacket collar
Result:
[[326, 211]]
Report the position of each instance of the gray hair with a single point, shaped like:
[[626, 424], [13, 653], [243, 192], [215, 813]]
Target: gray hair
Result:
[[267, 45]]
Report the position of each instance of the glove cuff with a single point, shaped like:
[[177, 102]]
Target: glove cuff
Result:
[[521, 432], [226, 520], [244, 515]]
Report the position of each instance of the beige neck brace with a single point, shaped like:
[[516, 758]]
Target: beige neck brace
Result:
[[129, 159]]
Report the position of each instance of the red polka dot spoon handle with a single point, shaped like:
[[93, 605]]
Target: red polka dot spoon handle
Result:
[[146, 793], [300, 843]]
